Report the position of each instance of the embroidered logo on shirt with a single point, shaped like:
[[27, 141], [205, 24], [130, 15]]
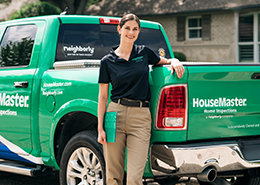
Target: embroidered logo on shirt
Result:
[[138, 59]]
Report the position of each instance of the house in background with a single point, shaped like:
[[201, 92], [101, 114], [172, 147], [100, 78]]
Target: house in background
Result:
[[226, 31]]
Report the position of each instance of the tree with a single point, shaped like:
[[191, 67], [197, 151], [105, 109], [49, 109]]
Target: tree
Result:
[[16, 53], [5, 1], [75, 6], [36, 9]]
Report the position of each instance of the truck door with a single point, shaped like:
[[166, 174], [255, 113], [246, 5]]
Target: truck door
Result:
[[17, 68], [223, 101]]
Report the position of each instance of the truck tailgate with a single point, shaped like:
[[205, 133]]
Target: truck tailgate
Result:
[[224, 101]]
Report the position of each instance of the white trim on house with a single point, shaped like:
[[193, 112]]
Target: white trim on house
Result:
[[256, 46], [236, 18], [255, 42], [194, 28]]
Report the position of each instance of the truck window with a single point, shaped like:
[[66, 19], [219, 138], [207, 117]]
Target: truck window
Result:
[[155, 40], [16, 45], [93, 41]]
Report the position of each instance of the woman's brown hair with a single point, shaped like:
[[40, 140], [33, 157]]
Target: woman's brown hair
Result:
[[129, 17]]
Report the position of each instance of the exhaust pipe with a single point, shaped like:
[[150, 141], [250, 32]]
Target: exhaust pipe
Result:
[[208, 175]]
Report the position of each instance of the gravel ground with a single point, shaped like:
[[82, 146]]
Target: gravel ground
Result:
[[53, 179]]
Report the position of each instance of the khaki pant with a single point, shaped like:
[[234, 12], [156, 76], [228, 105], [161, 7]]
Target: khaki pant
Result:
[[133, 132]]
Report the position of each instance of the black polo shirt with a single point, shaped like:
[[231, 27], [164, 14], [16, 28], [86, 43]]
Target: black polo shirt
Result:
[[129, 79]]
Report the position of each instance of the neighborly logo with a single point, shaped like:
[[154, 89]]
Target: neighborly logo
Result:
[[78, 50]]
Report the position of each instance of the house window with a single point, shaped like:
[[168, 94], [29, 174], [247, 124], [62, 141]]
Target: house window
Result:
[[249, 38], [194, 27]]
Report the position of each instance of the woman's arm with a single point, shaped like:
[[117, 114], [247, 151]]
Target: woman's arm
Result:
[[175, 65], [102, 104]]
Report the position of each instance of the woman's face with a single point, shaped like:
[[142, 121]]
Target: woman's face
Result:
[[129, 31]]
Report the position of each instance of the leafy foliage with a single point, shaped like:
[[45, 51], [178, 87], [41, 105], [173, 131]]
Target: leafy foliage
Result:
[[91, 2], [180, 56], [36, 9], [74, 6], [16, 53], [5, 1]]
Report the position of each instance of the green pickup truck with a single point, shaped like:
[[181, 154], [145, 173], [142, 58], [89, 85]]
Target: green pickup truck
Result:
[[205, 125]]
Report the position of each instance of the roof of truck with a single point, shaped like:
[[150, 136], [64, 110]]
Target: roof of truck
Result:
[[80, 19]]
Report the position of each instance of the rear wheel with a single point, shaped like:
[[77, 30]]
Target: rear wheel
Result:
[[82, 161]]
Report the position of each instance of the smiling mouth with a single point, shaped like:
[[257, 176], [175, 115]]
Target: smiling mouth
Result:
[[129, 37]]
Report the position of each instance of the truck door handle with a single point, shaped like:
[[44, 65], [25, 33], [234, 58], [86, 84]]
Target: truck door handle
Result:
[[256, 76], [21, 84]]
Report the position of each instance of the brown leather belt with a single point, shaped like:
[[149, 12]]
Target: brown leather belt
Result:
[[132, 103]]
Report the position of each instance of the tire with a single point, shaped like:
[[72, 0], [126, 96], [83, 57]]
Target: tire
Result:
[[82, 160]]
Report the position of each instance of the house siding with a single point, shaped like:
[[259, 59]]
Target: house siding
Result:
[[221, 46]]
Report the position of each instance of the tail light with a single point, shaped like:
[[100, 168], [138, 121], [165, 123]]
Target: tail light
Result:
[[172, 108], [109, 21]]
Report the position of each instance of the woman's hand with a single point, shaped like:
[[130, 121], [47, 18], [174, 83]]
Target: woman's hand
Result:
[[102, 103], [102, 137], [176, 66]]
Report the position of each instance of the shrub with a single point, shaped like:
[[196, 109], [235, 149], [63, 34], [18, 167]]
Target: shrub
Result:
[[5, 1], [91, 2], [36, 9], [180, 56]]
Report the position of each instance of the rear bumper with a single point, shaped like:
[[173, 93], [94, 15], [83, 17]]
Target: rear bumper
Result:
[[192, 160]]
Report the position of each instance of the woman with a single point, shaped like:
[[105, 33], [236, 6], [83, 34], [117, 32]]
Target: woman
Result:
[[126, 68]]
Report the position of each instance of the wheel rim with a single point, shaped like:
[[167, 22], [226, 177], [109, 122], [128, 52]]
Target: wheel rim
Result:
[[84, 168]]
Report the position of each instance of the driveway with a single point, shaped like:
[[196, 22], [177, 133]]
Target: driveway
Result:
[[53, 179]]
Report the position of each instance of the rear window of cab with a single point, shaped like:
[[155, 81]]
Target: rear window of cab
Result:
[[93, 41]]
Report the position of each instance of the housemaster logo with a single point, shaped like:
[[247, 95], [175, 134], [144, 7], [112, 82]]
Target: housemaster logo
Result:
[[220, 102], [13, 100]]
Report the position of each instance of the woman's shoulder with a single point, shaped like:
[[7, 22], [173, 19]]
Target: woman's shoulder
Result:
[[108, 58], [142, 48], [104, 58], [111, 56]]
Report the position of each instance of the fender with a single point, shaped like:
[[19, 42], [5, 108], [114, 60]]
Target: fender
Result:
[[83, 105]]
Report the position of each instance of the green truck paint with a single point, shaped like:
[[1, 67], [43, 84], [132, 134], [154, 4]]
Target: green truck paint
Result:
[[209, 120]]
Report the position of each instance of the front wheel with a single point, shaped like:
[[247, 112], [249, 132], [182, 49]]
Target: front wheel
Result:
[[82, 161]]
